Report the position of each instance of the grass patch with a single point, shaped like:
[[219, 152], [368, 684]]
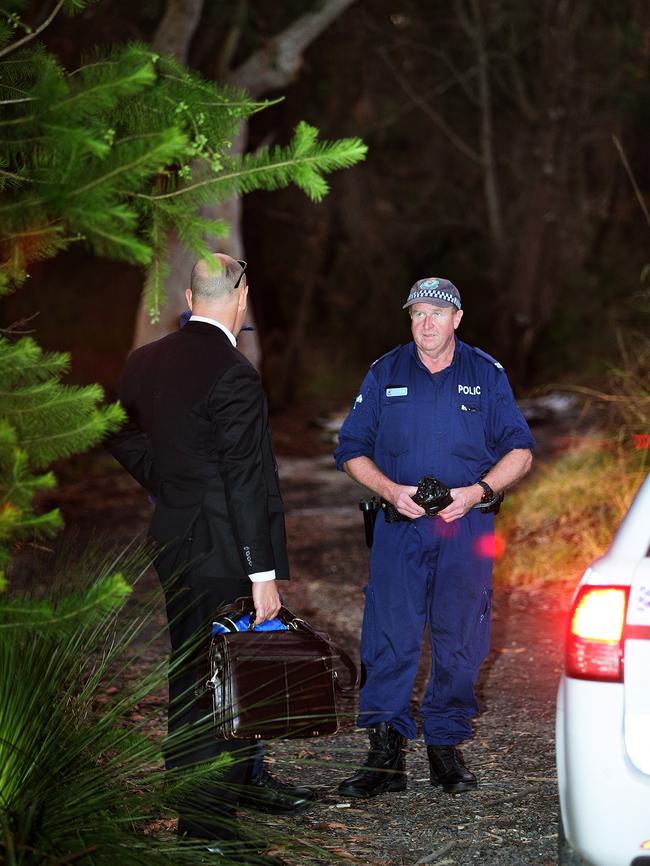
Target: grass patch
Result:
[[565, 515]]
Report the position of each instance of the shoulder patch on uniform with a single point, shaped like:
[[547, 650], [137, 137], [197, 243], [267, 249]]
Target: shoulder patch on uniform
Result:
[[487, 357], [387, 355]]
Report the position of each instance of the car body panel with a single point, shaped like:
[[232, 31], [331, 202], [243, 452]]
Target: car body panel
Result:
[[638, 612], [637, 669], [604, 798], [603, 728], [631, 539], [637, 703]]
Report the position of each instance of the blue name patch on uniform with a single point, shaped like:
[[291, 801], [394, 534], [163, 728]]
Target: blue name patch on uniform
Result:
[[396, 391]]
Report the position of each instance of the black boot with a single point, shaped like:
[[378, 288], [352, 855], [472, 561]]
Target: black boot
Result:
[[448, 769], [267, 794], [385, 767]]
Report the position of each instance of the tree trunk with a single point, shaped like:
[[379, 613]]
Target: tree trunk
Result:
[[272, 67], [476, 32], [529, 280], [530, 286]]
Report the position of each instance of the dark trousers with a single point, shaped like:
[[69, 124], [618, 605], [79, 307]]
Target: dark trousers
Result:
[[205, 805], [426, 574]]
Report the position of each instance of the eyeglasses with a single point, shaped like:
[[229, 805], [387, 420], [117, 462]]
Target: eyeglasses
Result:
[[243, 271]]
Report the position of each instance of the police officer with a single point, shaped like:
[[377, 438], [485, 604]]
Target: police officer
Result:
[[437, 407]]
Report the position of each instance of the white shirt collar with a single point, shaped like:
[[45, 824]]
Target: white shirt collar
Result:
[[214, 322]]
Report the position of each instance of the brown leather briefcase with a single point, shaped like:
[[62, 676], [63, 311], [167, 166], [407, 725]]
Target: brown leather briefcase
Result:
[[270, 684]]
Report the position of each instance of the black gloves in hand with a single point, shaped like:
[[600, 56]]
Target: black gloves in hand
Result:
[[432, 495]]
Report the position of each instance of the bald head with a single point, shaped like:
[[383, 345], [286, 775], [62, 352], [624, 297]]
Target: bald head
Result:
[[218, 290], [214, 280]]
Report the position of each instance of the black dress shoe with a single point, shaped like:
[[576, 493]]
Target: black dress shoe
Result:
[[242, 857], [448, 770], [384, 768], [266, 794], [232, 844]]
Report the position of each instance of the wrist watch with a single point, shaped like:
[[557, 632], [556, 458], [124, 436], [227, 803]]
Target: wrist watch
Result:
[[488, 493]]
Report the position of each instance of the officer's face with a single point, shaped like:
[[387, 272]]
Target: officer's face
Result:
[[433, 327]]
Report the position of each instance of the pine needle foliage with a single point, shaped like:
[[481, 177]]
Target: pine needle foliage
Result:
[[42, 421], [124, 148], [79, 780], [114, 155]]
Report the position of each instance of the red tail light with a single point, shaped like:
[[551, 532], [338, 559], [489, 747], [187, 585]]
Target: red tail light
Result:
[[594, 649]]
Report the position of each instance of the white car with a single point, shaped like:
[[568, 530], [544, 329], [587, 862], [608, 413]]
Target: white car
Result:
[[603, 707]]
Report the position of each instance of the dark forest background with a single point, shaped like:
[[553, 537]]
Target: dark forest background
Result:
[[492, 129]]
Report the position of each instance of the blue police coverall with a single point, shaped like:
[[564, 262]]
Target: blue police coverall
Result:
[[454, 425]]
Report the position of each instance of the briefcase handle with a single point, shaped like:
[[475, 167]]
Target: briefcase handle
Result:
[[245, 604]]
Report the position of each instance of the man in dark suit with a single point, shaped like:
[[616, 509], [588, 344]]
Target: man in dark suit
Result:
[[198, 439]]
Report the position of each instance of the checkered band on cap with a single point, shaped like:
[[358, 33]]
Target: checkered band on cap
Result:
[[434, 291]]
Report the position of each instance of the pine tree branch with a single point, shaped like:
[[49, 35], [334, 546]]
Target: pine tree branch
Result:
[[105, 154], [138, 76], [139, 251], [34, 33], [116, 172], [17, 121], [58, 398], [12, 18], [87, 66], [228, 103], [71, 433], [22, 205], [32, 233], [35, 485], [15, 176], [13, 86], [309, 162]]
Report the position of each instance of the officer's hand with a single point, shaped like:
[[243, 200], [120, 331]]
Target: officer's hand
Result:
[[464, 498], [404, 504], [266, 600]]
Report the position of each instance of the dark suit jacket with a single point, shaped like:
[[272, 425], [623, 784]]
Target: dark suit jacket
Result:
[[198, 439]]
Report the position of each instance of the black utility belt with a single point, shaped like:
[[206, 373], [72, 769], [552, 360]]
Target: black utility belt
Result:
[[431, 494]]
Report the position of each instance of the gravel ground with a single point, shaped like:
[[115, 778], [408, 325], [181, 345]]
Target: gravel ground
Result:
[[511, 820]]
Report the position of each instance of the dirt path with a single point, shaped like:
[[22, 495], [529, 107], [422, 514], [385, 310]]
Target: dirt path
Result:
[[511, 820]]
